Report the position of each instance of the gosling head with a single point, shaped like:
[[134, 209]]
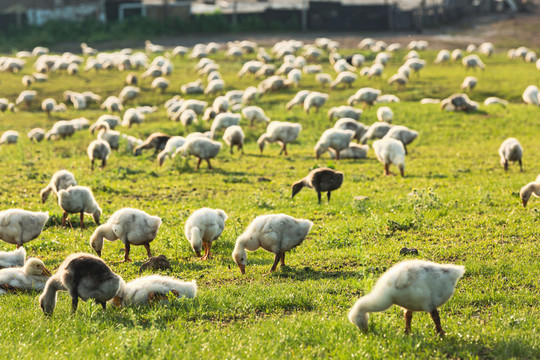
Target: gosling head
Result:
[[525, 194], [34, 266], [240, 257], [296, 187]]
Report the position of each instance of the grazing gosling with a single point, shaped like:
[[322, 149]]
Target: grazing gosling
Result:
[[60, 180], [321, 180], [78, 199], [390, 151], [511, 150], [415, 285], [131, 226], [13, 258], [532, 188], [275, 233], [20, 226], [98, 150], [148, 289], [203, 227], [82, 276]]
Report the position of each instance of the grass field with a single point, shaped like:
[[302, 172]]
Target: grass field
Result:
[[456, 205]]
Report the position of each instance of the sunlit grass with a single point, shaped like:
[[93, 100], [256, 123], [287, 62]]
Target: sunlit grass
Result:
[[456, 205]]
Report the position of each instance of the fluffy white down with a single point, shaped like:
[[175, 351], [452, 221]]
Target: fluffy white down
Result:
[[531, 95], [415, 285], [223, 121], [336, 139], [12, 258], [384, 113], [279, 131], [200, 147], [131, 226], [170, 147], [314, 99], [136, 292], [32, 276], [76, 199], [60, 180], [20, 226], [510, 150], [275, 233], [9, 137], [204, 225], [390, 151]]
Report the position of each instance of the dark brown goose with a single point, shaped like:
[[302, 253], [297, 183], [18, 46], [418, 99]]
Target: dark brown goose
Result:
[[156, 141], [322, 180]]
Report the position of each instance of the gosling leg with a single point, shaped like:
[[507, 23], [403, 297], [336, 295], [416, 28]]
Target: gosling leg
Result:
[[408, 320], [126, 253], [148, 252], [82, 220], [276, 261], [520, 166], [282, 259], [319, 196], [437, 320], [64, 217], [328, 195], [198, 164], [209, 165]]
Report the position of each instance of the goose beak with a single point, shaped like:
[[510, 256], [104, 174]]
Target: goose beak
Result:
[[524, 202], [242, 268], [46, 271], [198, 253], [98, 252]]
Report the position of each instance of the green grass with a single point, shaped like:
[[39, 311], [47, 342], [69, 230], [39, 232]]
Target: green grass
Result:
[[456, 205]]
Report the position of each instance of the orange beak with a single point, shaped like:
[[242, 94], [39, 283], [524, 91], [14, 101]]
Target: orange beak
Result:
[[242, 268]]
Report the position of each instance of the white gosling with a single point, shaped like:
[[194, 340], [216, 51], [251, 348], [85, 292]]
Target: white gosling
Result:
[[531, 95], [234, 136], [170, 147], [414, 285], [32, 276], [281, 132], [390, 151], [511, 150], [151, 289], [384, 113], [200, 147], [335, 139], [276, 233], [78, 199], [83, 276], [376, 130], [532, 188], [351, 124], [13, 258], [315, 100], [60, 180], [403, 134], [21, 226], [9, 137], [298, 99], [344, 111], [99, 150], [254, 113], [131, 226], [203, 227]]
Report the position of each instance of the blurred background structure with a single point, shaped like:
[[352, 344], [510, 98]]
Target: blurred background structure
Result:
[[327, 15]]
